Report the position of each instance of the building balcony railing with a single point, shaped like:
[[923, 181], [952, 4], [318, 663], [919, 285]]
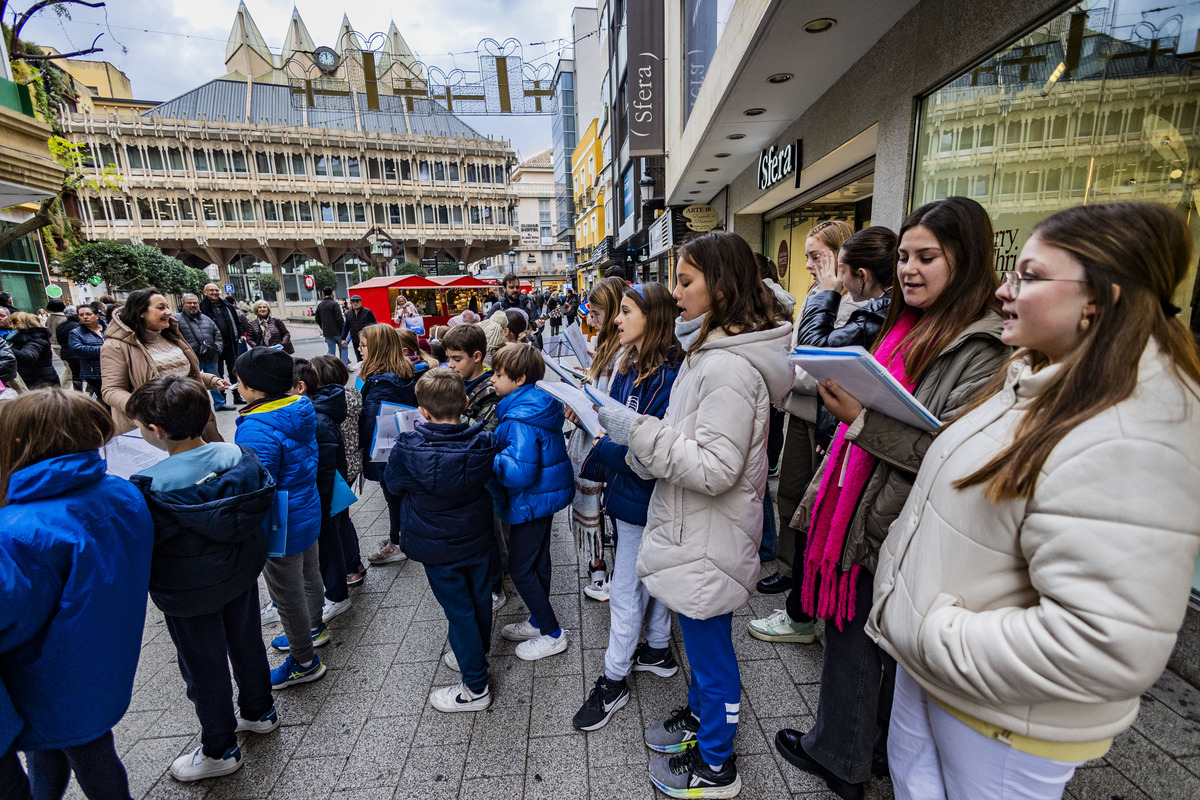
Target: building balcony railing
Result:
[[213, 231]]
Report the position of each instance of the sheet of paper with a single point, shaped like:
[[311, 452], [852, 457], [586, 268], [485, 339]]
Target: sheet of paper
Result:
[[567, 373], [393, 420], [577, 401], [578, 344], [129, 454], [865, 379], [602, 399]]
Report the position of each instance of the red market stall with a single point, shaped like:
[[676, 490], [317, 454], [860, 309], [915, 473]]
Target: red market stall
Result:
[[437, 298]]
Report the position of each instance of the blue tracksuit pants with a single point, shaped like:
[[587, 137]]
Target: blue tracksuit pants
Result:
[[715, 694]]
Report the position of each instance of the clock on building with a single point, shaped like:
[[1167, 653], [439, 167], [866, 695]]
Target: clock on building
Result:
[[326, 59]]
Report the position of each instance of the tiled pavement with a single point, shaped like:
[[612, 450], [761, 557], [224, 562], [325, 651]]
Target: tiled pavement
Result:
[[367, 732]]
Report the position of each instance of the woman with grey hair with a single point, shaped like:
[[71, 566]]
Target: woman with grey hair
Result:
[[265, 330]]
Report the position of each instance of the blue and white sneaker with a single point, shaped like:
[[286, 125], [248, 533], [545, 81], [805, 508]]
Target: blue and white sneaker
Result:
[[320, 637], [264, 724], [290, 673], [195, 766]]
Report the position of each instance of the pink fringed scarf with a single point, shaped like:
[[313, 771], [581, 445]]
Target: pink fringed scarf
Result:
[[826, 591]]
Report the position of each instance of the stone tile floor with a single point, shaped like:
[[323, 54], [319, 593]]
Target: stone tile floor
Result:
[[366, 730]]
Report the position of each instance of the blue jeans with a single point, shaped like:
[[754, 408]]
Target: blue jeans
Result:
[[715, 693], [212, 368], [333, 341], [464, 590]]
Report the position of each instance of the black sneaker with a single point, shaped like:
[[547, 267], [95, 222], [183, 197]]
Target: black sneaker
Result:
[[687, 775], [649, 659], [604, 701]]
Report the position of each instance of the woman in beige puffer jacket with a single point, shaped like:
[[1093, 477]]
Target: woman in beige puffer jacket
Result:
[[1033, 586], [699, 554]]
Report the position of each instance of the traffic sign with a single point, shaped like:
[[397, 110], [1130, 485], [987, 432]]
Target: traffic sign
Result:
[[309, 282], [229, 288], [53, 291]]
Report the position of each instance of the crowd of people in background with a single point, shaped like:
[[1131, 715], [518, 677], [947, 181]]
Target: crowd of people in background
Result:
[[985, 628]]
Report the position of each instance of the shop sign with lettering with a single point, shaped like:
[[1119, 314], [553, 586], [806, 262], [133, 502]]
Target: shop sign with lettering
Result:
[[774, 164], [644, 90], [701, 217]]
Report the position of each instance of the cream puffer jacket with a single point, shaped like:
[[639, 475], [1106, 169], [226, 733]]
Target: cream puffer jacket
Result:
[[1049, 617], [699, 554]]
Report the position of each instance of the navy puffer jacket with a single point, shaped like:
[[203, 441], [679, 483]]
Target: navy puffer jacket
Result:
[[209, 542], [532, 469], [626, 496], [330, 404], [441, 473], [283, 434], [383, 387]]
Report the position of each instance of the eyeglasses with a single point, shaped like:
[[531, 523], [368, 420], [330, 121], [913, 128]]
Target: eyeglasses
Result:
[[1015, 280]]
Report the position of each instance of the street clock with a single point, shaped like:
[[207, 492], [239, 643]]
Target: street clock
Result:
[[326, 59]]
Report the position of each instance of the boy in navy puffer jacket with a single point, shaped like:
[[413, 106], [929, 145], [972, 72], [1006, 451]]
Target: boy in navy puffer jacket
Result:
[[208, 502], [534, 479], [281, 429], [440, 471]]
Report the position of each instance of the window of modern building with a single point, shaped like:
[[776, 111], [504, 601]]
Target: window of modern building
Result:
[[352, 167], [343, 212], [360, 212], [287, 211], [239, 162], [133, 157], [373, 171], [439, 171], [472, 173], [145, 209], [452, 171], [703, 25], [154, 159], [320, 169], [443, 215], [326, 211], [304, 210], [187, 211], [97, 208], [262, 163], [457, 214], [200, 159], [209, 209], [247, 209], [298, 164], [335, 167], [547, 260], [423, 170], [271, 211], [175, 159], [427, 213], [164, 210], [219, 162], [280, 162]]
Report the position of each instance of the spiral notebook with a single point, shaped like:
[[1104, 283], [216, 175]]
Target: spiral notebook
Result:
[[856, 370]]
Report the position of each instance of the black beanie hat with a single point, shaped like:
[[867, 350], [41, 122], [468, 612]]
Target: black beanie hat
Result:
[[266, 369], [56, 305]]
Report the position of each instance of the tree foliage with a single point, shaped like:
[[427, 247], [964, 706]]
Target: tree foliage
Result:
[[269, 283], [322, 275], [126, 267], [411, 268]]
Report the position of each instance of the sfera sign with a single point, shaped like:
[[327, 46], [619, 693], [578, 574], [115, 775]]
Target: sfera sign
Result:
[[644, 90], [774, 164]]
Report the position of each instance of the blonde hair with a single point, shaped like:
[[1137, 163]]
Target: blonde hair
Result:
[[385, 353], [607, 295], [832, 233], [412, 344], [254, 306], [48, 423], [23, 320]]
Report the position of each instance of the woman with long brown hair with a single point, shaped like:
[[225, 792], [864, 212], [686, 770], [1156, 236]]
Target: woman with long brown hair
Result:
[[388, 376], [587, 516], [941, 340], [1034, 585]]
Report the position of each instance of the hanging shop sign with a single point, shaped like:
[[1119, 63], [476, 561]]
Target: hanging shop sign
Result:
[[644, 90], [782, 258], [701, 217], [775, 164]]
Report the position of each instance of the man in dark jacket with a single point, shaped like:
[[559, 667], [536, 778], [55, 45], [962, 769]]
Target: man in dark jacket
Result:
[[230, 327], [330, 320], [208, 502], [357, 319], [440, 471], [513, 298], [8, 364], [62, 335], [202, 335]]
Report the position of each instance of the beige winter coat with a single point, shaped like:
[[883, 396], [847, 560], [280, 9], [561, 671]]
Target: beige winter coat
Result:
[[1049, 617], [125, 365], [699, 554]]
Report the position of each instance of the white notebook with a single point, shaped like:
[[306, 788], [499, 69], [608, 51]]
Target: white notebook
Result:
[[865, 379]]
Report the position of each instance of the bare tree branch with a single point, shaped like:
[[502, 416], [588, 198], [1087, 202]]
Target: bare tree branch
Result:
[[38, 221], [19, 21], [92, 49]]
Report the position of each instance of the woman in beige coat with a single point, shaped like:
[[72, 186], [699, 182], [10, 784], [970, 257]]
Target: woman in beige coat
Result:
[[1034, 584], [699, 554], [143, 342]]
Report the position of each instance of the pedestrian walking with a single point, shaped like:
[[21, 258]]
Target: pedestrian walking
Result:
[[357, 320], [331, 321]]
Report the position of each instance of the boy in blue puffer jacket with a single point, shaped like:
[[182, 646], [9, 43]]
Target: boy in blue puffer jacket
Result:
[[440, 471], [534, 479], [281, 429], [208, 502]]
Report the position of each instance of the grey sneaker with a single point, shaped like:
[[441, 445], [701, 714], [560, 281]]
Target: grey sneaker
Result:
[[686, 775], [675, 734], [779, 627]]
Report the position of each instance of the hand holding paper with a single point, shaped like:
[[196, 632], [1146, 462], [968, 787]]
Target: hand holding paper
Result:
[[839, 402]]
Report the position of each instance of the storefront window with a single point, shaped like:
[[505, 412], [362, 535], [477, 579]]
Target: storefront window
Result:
[[1095, 106]]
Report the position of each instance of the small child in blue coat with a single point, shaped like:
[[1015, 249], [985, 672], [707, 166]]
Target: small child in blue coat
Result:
[[75, 548], [440, 472], [534, 479]]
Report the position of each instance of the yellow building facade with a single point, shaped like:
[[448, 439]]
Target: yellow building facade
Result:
[[587, 168]]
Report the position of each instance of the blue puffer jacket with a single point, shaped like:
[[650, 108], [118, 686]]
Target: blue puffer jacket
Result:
[[209, 542], [441, 473], [283, 434], [626, 496], [384, 387], [76, 547], [532, 470], [85, 346]]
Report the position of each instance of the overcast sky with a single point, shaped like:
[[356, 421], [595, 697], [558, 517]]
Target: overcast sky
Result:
[[175, 45]]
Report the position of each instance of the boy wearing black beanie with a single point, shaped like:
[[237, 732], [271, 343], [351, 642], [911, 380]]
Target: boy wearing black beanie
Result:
[[281, 429]]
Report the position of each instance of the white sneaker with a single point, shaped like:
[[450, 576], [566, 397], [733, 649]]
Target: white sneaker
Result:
[[542, 646], [269, 614], [450, 661], [265, 724], [498, 600], [520, 631], [459, 698], [332, 609], [195, 766], [597, 590]]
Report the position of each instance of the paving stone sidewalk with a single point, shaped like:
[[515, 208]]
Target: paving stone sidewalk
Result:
[[366, 730]]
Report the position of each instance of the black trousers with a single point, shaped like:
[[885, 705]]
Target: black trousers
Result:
[[205, 645], [225, 363], [96, 765], [332, 559], [529, 568]]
